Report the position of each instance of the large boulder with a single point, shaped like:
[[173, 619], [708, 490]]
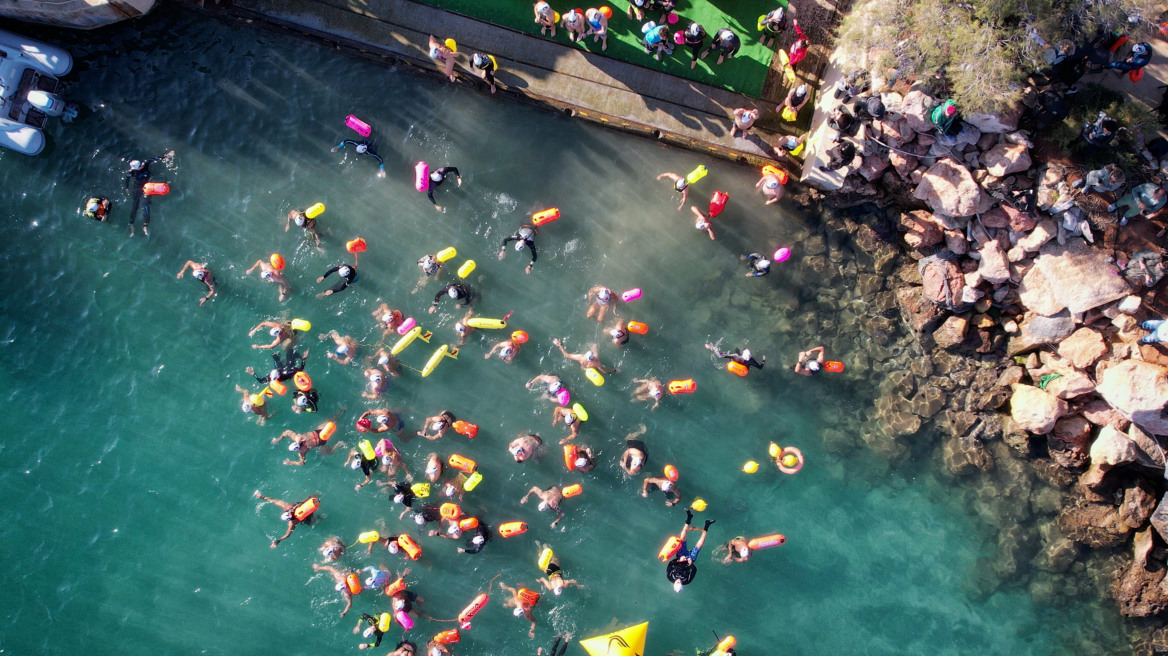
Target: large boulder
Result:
[[943, 281], [1083, 348], [1138, 390], [1139, 590], [1112, 448], [872, 166], [904, 164], [1038, 329], [1093, 524], [918, 312], [948, 188], [1034, 410], [995, 218], [995, 123], [994, 267], [915, 108], [1005, 158], [1071, 276], [1071, 384], [1037, 294]]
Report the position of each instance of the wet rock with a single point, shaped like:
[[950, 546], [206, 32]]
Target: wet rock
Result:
[[997, 122], [965, 456], [943, 282], [894, 131], [1138, 591], [1070, 385], [928, 402], [994, 267], [1034, 410], [948, 188], [915, 109], [920, 229], [1093, 524], [1083, 348], [1139, 392], [1149, 446], [1139, 501], [1159, 518], [951, 333], [1005, 158], [1110, 449], [1043, 231], [1058, 552], [918, 312], [1010, 375], [1037, 329]]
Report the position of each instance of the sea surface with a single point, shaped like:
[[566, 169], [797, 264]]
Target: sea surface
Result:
[[128, 468]]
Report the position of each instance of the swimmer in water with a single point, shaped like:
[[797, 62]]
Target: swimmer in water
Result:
[[619, 333], [682, 569], [137, 177], [440, 52], [649, 388], [599, 298], [260, 410], [548, 499], [522, 608], [636, 454], [455, 291], [348, 275], [757, 264], [424, 515], [703, 221], [269, 274], [434, 648], [203, 275], [302, 221], [302, 443], [545, 17], [376, 385], [743, 357], [507, 350], [771, 187], [736, 550], [430, 267], [288, 516], [433, 468], [551, 383], [810, 362], [680, 184], [292, 363], [555, 581], [372, 631], [587, 359], [524, 237], [345, 349], [281, 332], [387, 362], [380, 420], [524, 447], [305, 400], [476, 539], [436, 426], [571, 421], [97, 209], [332, 549], [339, 583], [437, 177], [461, 329], [364, 148], [388, 318], [585, 462], [561, 642], [407, 648], [668, 487]]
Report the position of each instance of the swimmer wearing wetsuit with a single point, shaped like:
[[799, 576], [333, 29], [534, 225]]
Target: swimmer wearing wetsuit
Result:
[[682, 570], [303, 221], [305, 401], [364, 148], [371, 632], [742, 357], [484, 67], [292, 363], [138, 176], [457, 292], [437, 177], [757, 265], [348, 276], [523, 238], [726, 42], [477, 540]]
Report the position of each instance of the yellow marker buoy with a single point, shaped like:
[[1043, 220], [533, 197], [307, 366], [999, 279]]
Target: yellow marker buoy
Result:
[[698, 505], [774, 450], [466, 269], [750, 467]]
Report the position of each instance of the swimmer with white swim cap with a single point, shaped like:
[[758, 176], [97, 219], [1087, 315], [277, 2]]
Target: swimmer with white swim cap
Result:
[[636, 454], [287, 515], [599, 298], [507, 350], [668, 487], [279, 331], [571, 421], [524, 447], [348, 275], [338, 583], [521, 607], [455, 291], [376, 385], [524, 237], [587, 360], [344, 347], [810, 362], [680, 185], [388, 319], [649, 388], [737, 551], [268, 273], [436, 426], [555, 581], [771, 187], [260, 410], [203, 275], [307, 224], [302, 443]]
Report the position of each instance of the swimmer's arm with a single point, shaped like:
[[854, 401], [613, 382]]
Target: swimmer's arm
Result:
[[277, 541], [258, 264], [818, 349], [190, 264], [531, 247]]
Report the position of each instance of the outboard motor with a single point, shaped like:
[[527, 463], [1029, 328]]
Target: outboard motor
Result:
[[46, 102]]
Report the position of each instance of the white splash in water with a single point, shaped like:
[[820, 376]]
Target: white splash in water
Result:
[[571, 246]]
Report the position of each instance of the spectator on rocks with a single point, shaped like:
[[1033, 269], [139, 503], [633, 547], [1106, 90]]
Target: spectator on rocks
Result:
[[726, 42], [855, 83], [842, 122], [1144, 268], [694, 38], [841, 156], [743, 120], [944, 118], [1108, 178], [1154, 151], [1145, 199], [1159, 331], [868, 109], [1073, 223], [1101, 132], [796, 98]]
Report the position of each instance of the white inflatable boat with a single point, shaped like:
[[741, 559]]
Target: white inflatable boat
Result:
[[28, 85]]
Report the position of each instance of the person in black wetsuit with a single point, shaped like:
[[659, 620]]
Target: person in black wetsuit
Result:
[[682, 570], [457, 291], [139, 175], [305, 401], [557, 644], [726, 42], [364, 148], [742, 357], [292, 363], [348, 276], [437, 177], [484, 67], [523, 238], [372, 632], [476, 539]]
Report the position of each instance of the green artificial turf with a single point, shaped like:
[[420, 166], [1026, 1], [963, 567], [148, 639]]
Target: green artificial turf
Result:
[[744, 73]]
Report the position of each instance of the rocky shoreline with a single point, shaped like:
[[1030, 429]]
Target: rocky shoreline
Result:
[[1030, 356]]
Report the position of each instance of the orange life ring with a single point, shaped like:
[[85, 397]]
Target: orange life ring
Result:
[[528, 597], [479, 603], [571, 452], [305, 509], [785, 455], [450, 511], [303, 381], [395, 587], [447, 637], [737, 368], [687, 386], [670, 548], [466, 428], [767, 541], [511, 529], [411, 548], [572, 490], [465, 465], [353, 583]]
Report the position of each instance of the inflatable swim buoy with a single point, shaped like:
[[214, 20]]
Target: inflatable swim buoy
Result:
[[519, 337], [301, 325], [833, 366], [718, 203], [278, 387], [384, 622], [395, 587], [546, 216], [464, 465], [698, 505], [671, 473], [450, 43], [606, 11], [724, 646], [580, 412], [766, 542], [409, 546], [368, 536], [406, 326], [631, 294], [737, 368], [422, 176], [545, 559], [447, 637], [594, 376], [782, 254], [305, 509], [771, 169], [1136, 75], [277, 261], [626, 642], [687, 386], [353, 583], [572, 490], [448, 253], [366, 449], [383, 448], [696, 174], [479, 603], [483, 322], [466, 269], [303, 381], [528, 597], [466, 428], [357, 245], [450, 511], [409, 337], [790, 460], [420, 490], [314, 211], [327, 431], [637, 327], [571, 451], [468, 523], [472, 481], [155, 189], [404, 619], [750, 467], [679, 37], [511, 529], [443, 351], [670, 549], [360, 127]]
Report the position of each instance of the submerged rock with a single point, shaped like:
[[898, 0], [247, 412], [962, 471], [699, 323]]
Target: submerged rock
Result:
[[1096, 525]]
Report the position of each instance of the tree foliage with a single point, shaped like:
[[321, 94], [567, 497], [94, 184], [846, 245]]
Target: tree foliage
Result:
[[978, 52]]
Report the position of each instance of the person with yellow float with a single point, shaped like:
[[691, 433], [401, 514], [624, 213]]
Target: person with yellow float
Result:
[[376, 629], [431, 264], [306, 220], [363, 457], [549, 499], [462, 329], [524, 237], [649, 388], [484, 66], [389, 364], [294, 513], [269, 273], [346, 582], [742, 357], [139, 177], [97, 208], [455, 291], [255, 404], [681, 184], [390, 543], [810, 362], [545, 17], [549, 563], [682, 569], [508, 348], [587, 360], [405, 494], [201, 273], [436, 426], [667, 485], [437, 177], [445, 52], [525, 446], [283, 334], [302, 443], [522, 601], [636, 454], [571, 422]]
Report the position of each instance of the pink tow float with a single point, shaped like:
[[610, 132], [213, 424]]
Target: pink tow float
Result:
[[360, 127], [782, 255], [422, 176]]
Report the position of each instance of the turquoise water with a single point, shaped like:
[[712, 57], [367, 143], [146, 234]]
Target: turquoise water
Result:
[[129, 467]]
